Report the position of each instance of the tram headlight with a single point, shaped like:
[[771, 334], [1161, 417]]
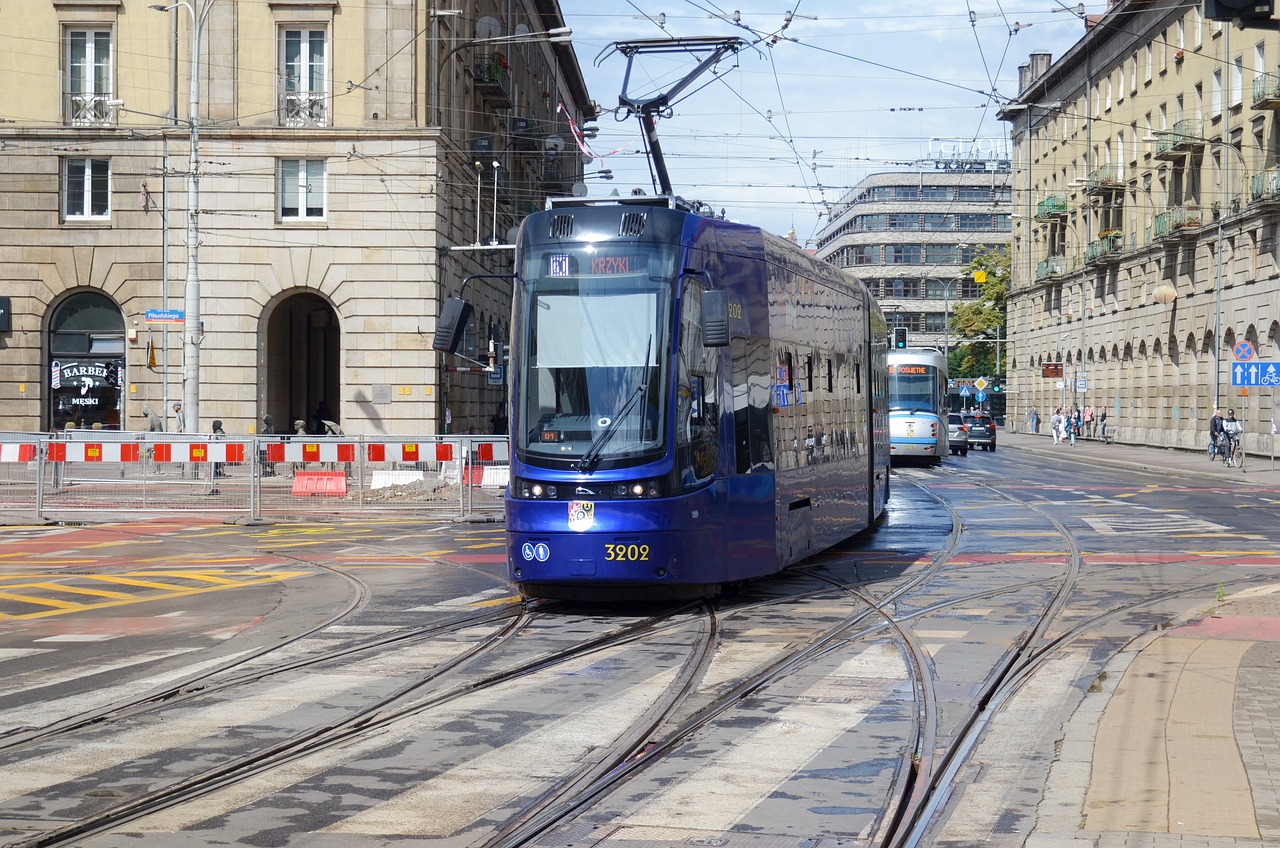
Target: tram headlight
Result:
[[532, 490], [633, 489]]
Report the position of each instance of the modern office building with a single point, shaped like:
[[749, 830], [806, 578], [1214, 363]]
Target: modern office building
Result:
[[909, 235], [257, 207], [1144, 251]]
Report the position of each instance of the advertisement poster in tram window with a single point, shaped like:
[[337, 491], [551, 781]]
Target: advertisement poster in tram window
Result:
[[85, 392]]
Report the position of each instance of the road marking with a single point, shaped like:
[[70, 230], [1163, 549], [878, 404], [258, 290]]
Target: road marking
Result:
[[204, 582], [466, 792], [400, 734], [28, 681]]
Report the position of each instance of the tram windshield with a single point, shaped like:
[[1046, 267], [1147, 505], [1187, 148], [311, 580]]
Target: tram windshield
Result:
[[915, 389], [592, 325]]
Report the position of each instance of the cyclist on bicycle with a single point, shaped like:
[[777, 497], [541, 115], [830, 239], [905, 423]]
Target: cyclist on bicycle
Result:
[[1215, 433], [1232, 430]]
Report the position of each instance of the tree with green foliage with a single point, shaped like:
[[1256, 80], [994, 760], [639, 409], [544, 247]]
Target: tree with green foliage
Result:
[[982, 320]]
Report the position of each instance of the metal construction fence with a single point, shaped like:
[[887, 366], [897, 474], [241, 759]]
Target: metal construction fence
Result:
[[110, 473]]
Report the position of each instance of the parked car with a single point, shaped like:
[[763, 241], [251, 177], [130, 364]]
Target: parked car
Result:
[[957, 435], [982, 430]]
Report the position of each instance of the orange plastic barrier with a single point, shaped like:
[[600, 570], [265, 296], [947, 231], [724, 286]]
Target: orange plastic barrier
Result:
[[331, 483]]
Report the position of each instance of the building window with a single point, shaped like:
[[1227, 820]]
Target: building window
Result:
[[86, 189], [89, 78], [902, 254], [1237, 80], [1215, 103], [867, 254], [304, 78], [301, 189]]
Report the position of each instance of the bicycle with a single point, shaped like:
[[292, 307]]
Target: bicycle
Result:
[[1235, 458]]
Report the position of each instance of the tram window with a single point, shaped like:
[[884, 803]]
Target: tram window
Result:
[[808, 373], [831, 385], [791, 383]]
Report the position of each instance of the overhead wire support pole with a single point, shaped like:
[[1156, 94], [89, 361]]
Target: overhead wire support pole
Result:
[[648, 108]]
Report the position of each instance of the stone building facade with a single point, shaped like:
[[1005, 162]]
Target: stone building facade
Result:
[[1144, 251], [349, 160], [908, 235]]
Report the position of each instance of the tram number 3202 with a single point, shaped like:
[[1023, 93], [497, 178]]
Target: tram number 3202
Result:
[[626, 553]]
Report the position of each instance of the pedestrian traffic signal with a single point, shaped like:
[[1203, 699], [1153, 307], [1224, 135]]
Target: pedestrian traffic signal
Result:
[[899, 338]]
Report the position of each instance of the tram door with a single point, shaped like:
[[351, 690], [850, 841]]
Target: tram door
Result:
[[751, 486]]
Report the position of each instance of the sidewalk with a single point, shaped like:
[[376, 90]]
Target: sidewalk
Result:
[[1178, 741], [1259, 470]]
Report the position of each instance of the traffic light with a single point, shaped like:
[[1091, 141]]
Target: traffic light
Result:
[[996, 387], [1250, 13], [899, 338]]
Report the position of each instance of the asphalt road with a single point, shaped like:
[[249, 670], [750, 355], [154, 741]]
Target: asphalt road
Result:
[[376, 682]]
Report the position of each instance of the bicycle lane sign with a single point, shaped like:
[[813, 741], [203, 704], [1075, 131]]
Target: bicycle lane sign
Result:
[[1259, 372]]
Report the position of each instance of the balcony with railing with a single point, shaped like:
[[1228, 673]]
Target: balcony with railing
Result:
[[1176, 222], [1054, 266], [493, 79], [91, 110], [1266, 91], [304, 109], [1053, 206], [1186, 135], [1265, 187], [1104, 179], [1108, 247]]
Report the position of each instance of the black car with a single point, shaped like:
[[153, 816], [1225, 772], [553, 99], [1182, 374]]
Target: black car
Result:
[[982, 430]]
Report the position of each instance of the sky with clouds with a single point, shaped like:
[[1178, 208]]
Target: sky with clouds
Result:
[[809, 106]]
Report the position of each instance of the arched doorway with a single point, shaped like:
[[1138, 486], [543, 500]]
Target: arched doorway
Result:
[[302, 361], [86, 363]]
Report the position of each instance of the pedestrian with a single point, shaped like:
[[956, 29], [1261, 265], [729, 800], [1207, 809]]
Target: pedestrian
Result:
[[1087, 418], [1055, 425], [268, 429], [1215, 434], [1035, 420], [1232, 431], [498, 425], [1102, 424], [1073, 425], [177, 412], [218, 433]]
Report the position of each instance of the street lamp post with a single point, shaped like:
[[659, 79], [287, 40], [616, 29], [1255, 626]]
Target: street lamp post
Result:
[[192, 334]]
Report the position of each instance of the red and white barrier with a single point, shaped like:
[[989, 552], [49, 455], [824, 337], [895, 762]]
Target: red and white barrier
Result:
[[217, 451], [13, 452], [311, 452], [94, 452]]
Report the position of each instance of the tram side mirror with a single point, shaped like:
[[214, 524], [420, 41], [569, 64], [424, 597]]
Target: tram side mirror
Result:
[[451, 325], [715, 318]]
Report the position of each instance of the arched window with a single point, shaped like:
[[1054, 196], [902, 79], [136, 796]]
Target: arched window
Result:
[[86, 363]]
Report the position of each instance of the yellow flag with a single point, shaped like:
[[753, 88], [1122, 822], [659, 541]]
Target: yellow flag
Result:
[[151, 354]]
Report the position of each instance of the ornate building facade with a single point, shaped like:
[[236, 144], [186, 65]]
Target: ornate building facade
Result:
[[343, 170], [1144, 252]]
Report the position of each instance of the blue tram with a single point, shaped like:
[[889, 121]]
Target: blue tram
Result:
[[918, 404], [694, 402]]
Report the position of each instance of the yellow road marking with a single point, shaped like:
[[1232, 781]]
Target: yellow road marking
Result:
[[62, 606], [499, 602], [484, 545], [74, 590]]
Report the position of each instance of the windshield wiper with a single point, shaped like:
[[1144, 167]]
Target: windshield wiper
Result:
[[591, 458]]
